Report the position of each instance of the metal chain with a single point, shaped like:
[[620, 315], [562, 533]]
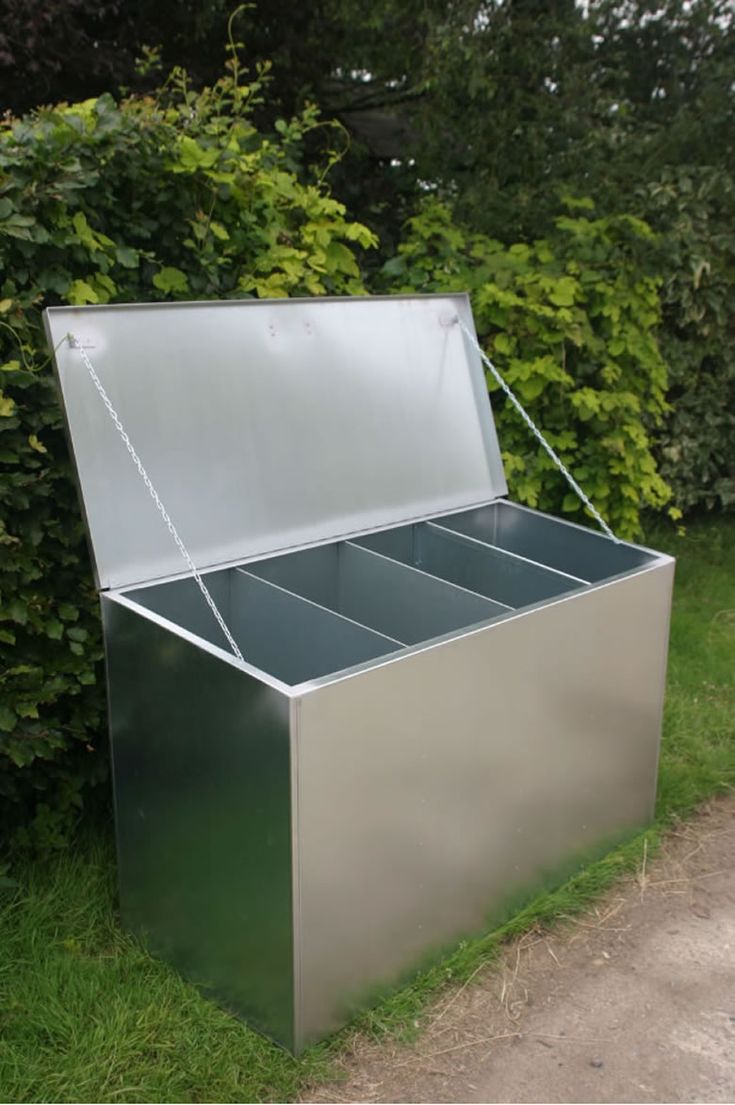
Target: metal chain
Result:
[[75, 344], [537, 433]]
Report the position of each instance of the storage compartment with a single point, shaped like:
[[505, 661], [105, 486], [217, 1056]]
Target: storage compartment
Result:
[[320, 611], [387, 596], [277, 632], [472, 563], [560, 545]]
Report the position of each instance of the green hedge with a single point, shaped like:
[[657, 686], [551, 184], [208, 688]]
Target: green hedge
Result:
[[570, 322], [174, 197], [693, 207]]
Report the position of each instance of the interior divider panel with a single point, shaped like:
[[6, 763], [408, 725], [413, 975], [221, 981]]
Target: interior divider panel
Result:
[[491, 570], [459, 530], [384, 594], [590, 556], [280, 633], [295, 639], [469, 563], [404, 602]]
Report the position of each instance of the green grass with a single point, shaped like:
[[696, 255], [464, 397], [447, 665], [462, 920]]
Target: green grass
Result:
[[86, 1015]]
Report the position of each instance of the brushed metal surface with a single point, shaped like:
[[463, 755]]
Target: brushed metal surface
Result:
[[558, 544], [201, 770], [417, 605], [387, 596], [505, 578], [471, 563], [277, 632], [433, 787], [266, 425], [295, 639]]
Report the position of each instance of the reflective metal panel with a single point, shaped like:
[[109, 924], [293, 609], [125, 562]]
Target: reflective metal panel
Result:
[[399, 601], [492, 571], [202, 790], [470, 563], [267, 425], [417, 605], [560, 545], [277, 632], [296, 640], [427, 795]]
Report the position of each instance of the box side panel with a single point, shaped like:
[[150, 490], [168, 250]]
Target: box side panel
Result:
[[201, 767], [436, 788]]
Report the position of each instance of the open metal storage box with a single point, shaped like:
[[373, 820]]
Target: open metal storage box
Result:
[[444, 696]]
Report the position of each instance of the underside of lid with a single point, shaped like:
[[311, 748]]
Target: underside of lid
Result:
[[266, 425]]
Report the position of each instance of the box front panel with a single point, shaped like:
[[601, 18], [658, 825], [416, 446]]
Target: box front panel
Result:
[[202, 793], [436, 787]]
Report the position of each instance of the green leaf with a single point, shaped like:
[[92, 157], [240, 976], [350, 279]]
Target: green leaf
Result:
[[582, 202], [18, 611], [531, 389], [19, 221], [395, 267], [170, 279], [127, 257], [84, 231], [27, 709], [341, 259], [562, 294], [81, 292], [36, 444], [192, 156], [54, 629], [8, 718]]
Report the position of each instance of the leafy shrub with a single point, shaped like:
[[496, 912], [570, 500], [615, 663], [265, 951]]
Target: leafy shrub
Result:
[[177, 196], [694, 209], [570, 321]]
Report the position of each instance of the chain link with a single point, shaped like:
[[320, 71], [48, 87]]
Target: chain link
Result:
[[537, 434], [75, 344]]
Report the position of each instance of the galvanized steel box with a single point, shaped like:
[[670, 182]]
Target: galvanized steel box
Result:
[[444, 695]]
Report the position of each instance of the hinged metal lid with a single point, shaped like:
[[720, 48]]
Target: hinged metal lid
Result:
[[266, 425]]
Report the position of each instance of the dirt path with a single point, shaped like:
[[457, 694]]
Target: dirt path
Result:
[[632, 1002]]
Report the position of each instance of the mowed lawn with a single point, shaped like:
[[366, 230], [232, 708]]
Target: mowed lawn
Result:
[[87, 1015]]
